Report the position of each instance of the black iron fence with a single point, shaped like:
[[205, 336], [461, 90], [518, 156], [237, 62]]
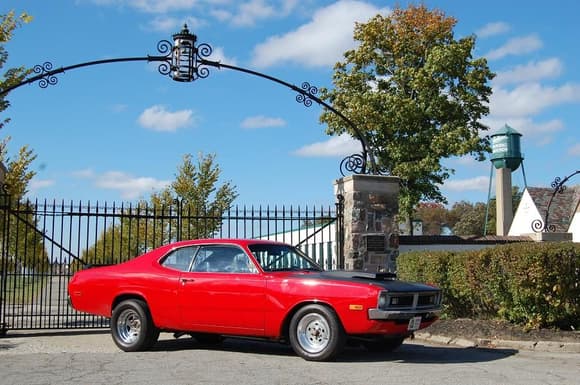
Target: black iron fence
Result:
[[43, 243]]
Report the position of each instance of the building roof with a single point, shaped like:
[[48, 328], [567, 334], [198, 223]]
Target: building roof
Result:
[[562, 208], [459, 239]]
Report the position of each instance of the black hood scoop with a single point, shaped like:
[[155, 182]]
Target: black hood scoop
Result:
[[368, 275]]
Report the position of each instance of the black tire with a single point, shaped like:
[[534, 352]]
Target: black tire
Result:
[[383, 344], [316, 334], [132, 328]]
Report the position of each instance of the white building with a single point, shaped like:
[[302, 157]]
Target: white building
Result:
[[563, 214]]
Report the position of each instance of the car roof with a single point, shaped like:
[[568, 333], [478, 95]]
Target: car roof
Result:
[[235, 241]]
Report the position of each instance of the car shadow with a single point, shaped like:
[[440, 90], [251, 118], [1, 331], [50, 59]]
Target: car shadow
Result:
[[50, 333], [407, 353]]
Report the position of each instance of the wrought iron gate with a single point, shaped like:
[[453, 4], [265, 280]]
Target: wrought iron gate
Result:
[[42, 243]]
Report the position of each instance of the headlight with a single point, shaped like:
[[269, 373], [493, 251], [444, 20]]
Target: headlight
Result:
[[383, 300]]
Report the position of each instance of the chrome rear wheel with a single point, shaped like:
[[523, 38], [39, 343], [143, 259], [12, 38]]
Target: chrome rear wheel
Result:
[[132, 327], [128, 326]]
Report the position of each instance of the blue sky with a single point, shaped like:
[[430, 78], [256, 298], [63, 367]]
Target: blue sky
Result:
[[117, 132]]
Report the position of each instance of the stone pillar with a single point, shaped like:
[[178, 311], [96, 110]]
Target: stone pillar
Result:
[[371, 203]]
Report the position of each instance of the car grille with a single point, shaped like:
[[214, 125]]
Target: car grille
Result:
[[417, 300]]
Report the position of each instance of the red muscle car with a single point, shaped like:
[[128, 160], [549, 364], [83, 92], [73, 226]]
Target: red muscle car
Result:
[[252, 288]]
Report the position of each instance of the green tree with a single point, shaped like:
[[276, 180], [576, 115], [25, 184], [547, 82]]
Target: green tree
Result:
[[433, 216], [468, 218], [8, 23], [23, 243], [191, 207], [417, 94]]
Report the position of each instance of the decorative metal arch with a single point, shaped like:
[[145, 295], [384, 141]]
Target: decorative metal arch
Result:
[[184, 61], [559, 187]]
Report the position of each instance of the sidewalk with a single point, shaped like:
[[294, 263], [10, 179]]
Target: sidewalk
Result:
[[540, 346]]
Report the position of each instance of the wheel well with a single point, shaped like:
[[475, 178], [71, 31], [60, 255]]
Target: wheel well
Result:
[[124, 297], [286, 324]]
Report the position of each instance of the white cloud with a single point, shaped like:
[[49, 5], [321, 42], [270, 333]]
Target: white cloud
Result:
[[262, 122], [574, 150], [479, 183], [152, 6], [492, 29], [251, 11], [219, 56], [516, 46], [530, 99], [525, 126], [342, 145], [83, 174], [38, 184], [128, 186], [533, 71], [320, 42], [157, 118], [165, 23]]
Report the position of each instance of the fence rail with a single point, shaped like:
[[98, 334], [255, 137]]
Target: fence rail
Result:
[[43, 243]]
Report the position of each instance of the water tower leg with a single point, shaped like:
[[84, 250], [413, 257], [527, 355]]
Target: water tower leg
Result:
[[503, 193]]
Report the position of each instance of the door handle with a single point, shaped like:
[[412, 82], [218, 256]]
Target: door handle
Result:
[[186, 280]]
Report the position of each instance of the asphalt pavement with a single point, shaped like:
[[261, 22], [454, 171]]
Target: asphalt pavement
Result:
[[91, 357]]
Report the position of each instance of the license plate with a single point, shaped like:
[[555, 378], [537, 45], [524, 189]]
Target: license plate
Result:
[[414, 324]]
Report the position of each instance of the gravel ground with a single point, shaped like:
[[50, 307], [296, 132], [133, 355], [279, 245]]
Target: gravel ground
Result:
[[498, 330]]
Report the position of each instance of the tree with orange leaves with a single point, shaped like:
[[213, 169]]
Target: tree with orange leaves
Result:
[[417, 94]]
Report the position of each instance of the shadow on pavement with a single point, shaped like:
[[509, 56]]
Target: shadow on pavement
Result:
[[50, 333], [408, 353]]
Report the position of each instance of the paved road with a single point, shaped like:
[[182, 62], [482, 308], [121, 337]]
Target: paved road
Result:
[[92, 358]]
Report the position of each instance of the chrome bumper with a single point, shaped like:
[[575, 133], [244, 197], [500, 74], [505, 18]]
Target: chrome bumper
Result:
[[379, 314]]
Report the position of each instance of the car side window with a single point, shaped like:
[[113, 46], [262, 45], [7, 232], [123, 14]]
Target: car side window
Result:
[[222, 259], [180, 259]]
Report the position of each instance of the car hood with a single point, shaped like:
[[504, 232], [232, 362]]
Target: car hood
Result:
[[385, 280]]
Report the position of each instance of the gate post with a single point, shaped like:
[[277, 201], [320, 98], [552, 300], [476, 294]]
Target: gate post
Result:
[[4, 226], [371, 203]]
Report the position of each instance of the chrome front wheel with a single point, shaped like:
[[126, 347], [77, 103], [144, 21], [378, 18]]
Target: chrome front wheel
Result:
[[313, 333], [316, 333]]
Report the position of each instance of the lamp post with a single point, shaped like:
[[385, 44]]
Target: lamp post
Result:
[[186, 61]]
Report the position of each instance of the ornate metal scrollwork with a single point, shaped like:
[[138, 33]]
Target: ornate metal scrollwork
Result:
[[355, 163], [204, 51], [185, 61], [559, 188], [44, 72], [305, 98], [165, 48]]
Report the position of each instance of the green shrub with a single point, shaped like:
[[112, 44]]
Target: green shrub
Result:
[[532, 284]]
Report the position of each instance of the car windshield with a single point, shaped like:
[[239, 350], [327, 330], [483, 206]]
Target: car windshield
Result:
[[273, 257]]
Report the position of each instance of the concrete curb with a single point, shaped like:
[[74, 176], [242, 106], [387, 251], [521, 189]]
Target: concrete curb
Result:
[[538, 346]]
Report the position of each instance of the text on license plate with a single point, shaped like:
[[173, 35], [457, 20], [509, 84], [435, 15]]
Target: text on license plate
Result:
[[414, 323]]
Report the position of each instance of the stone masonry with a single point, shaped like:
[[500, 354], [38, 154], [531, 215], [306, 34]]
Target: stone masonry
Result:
[[370, 231]]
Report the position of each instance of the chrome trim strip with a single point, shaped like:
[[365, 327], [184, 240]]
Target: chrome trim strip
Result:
[[378, 314]]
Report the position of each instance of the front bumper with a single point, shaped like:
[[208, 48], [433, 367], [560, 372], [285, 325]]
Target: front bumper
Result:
[[380, 314]]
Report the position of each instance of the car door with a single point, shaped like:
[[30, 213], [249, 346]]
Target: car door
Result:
[[222, 293]]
